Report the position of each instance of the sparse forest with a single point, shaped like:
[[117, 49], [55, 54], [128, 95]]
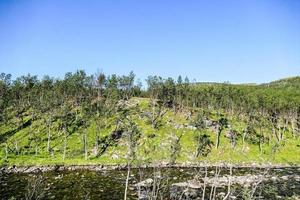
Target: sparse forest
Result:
[[113, 119]]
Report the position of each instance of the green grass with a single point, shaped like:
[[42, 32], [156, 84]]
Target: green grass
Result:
[[150, 149]]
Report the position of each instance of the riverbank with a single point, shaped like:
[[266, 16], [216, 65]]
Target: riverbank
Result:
[[82, 182], [177, 139], [45, 168]]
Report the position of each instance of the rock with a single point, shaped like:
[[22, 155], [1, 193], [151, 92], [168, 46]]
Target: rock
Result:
[[185, 191], [144, 188], [273, 178], [221, 194], [193, 189], [94, 151], [208, 123], [145, 184], [131, 188], [176, 126], [58, 177], [191, 127]]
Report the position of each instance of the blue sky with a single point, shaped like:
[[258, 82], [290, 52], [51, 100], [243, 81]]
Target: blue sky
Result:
[[234, 40]]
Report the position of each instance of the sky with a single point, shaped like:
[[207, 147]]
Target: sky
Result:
[[239, 41]]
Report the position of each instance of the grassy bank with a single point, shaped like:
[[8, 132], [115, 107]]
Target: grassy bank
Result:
[[28, 145]]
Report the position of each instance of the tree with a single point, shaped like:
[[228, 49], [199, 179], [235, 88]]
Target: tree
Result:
[[157, 113], [126, 84], [137, 89], [186, 81], [175, 147], [168, 93], [186, 89], [233, 136], [5, 81], [274, 120], [298, 120], [200, 121], [222, 124], [84, 118], [155, 87], [101, 79], [66, 121], [179, 91], [132, 134], [204, 145], [251, 134], [179, 80], [112, 89]]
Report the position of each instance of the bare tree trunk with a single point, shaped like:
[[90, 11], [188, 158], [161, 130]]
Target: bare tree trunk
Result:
[[204, 184], [293, 127], [16, 147], [244, 137], [85, 145], [36, 142], [213, 188], [218, 138], [153, 117], [127, 180], [36, 150], [260, 146], [65, 144], [49, 134], [229, 184], [275, 134], [154, 187], [97, 145], [255, 186], [6, 151], [261, 139], [97, 140], [284, 129], [49, 138], [30, 137]]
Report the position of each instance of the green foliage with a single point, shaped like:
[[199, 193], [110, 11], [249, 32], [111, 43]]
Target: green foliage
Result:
[[175, 147], [41, 120], [204, 145], [199, 122]]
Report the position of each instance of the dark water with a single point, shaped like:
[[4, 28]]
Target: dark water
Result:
[[107, 185]]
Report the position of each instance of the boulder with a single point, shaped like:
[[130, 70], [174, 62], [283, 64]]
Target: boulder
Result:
[[144, 189]]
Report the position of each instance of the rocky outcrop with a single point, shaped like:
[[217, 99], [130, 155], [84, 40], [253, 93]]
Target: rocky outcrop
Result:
[[193, 189], [97, 167], [144, 189]]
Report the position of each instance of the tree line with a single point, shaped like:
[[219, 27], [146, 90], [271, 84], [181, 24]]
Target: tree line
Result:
[[78, 97]]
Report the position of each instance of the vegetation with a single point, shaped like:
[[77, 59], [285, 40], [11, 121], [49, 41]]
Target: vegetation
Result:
[[110, 119]]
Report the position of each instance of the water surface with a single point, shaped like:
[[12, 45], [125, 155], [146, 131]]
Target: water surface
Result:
[[108, 185]]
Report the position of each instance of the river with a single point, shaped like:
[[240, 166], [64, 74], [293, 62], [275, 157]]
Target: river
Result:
[[110, 184]]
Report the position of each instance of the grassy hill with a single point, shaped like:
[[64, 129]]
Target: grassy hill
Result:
[[174, 141], [292, 82]]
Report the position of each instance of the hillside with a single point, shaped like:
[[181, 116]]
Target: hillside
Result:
[[292, 82], [197, 123], [175, 136]]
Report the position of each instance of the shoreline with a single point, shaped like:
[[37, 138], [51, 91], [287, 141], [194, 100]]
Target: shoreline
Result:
[[99, 167]]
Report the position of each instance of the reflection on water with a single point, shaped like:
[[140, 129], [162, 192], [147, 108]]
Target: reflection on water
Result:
[[85, 184]]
